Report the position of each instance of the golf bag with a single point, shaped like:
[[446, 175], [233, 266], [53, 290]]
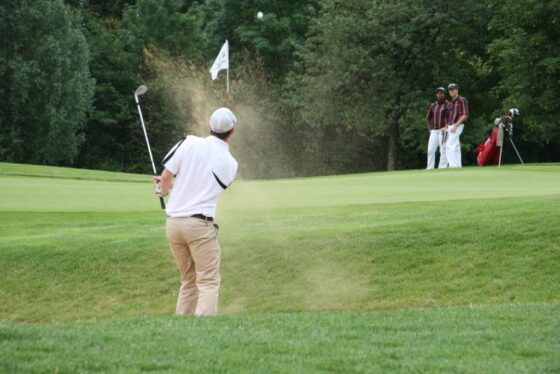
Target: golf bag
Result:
[[488, 152]]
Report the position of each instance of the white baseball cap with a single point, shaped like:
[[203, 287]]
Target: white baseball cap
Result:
[[222, 120]]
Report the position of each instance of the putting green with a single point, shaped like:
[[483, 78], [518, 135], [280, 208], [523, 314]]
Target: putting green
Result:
[[52, 190]]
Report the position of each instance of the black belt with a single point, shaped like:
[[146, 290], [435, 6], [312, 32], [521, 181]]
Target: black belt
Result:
[[202, 216]]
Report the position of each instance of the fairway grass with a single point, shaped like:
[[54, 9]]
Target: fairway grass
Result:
[[442, 271]]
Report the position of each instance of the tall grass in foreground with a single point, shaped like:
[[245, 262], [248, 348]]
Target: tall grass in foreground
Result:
[[488, 339]]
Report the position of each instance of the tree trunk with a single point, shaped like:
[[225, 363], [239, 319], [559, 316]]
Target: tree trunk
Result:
[[394, 140]]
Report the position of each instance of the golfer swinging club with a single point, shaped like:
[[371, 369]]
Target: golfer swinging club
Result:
[[203, 169]]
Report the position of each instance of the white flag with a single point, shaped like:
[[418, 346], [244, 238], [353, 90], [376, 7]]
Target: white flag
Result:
[[222, 61]]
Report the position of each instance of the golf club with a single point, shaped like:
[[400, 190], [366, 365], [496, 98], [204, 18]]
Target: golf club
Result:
[[141, 90], [509, 129], [514, 112]]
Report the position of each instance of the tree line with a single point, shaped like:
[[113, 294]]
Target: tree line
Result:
[[320, 86]]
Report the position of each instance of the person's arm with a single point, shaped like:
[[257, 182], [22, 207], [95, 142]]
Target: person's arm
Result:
[[429, 117], [462, 120]]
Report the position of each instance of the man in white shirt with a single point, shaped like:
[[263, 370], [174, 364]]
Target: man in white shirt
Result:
[[457, 115], [203, 169]]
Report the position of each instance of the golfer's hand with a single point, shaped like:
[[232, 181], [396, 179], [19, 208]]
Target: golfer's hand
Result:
[[157, 185], [454, 128]]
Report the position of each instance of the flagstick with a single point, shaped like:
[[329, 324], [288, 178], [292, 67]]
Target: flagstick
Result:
[[227, 72]]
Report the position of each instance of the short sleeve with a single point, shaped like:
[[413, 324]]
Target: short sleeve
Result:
[[173, 159], [465, 107], [225, 172], [429, 114]]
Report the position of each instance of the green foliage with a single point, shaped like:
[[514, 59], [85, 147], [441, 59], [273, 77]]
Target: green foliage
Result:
[[273, 39], [104, 9], [164, 25], [113, 134], [46, 85], [395, 54], [347, 83], [526, 56]]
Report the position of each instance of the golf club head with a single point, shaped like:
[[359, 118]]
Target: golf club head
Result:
[[141, 90]]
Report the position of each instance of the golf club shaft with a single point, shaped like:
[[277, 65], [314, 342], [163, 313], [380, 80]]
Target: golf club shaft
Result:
[[146, 135], [161, 201]]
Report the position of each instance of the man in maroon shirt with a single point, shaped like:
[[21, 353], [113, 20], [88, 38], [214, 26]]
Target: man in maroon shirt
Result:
[[457, 114], [436, 120]]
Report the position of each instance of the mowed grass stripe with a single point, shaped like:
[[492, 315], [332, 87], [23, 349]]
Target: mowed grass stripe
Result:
[[490, 339], [19, 170]]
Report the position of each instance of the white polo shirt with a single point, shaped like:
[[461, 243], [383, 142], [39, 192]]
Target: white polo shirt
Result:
[[203, 169]]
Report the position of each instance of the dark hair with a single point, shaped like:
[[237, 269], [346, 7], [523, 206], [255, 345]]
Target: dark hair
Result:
[[222, 135]]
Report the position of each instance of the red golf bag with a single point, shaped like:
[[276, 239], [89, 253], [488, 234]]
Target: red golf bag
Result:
[[488, 153]]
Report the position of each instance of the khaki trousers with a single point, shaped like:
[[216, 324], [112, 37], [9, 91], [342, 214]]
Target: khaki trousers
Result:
[[195, 248]]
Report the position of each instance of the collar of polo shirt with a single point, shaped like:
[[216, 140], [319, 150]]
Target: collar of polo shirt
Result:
[[219, 141]]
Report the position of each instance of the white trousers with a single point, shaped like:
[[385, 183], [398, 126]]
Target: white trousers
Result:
[[453, 147], [435, 142]]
